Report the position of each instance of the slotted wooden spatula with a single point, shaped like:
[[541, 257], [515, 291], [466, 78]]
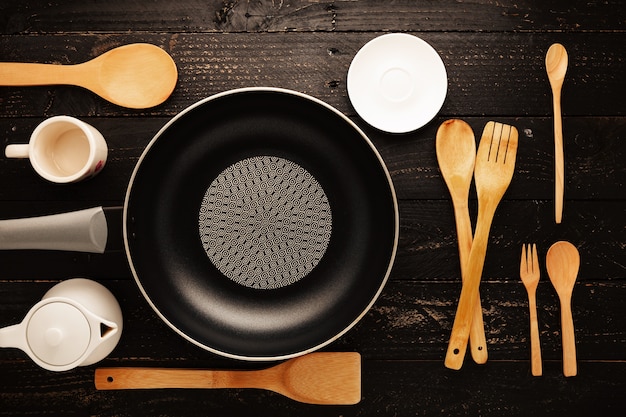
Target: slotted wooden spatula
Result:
[[317, 378]]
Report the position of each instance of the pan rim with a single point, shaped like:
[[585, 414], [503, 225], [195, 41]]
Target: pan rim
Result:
[[367, 141]]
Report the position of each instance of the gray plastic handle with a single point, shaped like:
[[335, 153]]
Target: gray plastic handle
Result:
[[79, 231]]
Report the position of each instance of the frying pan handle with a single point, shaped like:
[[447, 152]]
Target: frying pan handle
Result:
[[80, 231]]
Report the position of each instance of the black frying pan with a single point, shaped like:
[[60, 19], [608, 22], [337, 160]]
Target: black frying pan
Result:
[[260, 224], [198, 297]]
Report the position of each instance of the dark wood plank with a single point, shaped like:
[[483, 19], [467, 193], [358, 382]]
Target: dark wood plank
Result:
[[412, 160], [428, 239], [38, 16], [427, 242], [595, 150], [494, 54], [490, 74], [389, 388], [410, 321]]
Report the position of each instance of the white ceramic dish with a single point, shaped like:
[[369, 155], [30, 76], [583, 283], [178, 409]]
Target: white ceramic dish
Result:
[[397, 82]]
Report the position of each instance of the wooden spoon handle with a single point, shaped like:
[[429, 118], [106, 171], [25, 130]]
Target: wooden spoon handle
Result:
[[477, 339], [568, 339], [559, 170], [30, 74]]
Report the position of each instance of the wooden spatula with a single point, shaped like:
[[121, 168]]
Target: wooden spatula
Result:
[[456, 155], [495, 163], [316, 378]]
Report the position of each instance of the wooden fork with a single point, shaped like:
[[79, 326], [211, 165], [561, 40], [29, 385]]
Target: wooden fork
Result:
[[495, 163], [529, 273]]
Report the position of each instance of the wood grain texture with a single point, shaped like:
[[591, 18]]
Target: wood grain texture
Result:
[[402, 340], [455, 145], [410, 321], [324, 378], [492, 388], [494, 54], [427, 248], [494, 74], [530, 273], [41, 16], [495, 165], [595, 146]]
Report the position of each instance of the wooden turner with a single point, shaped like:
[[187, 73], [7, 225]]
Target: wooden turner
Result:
[[316, 378]]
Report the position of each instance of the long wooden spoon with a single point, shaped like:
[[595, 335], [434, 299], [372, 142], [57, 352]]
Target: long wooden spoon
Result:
[[495, 164], [137, 76], [316, 378], [556, 67], [562, 263], [456, 154]]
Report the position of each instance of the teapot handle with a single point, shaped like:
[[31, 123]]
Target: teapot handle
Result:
[[13, 337]]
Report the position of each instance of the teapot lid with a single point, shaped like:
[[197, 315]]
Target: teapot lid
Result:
[[58, 333]]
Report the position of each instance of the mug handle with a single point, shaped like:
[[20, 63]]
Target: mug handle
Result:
[[17, 151]]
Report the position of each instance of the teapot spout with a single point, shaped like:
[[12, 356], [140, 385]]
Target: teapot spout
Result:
[[108, 329], [105, 335]]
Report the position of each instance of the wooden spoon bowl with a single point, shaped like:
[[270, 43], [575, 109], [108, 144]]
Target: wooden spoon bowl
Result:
[[136, 76], [562, 263]]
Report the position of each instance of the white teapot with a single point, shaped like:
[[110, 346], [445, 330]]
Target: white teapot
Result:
[[77, 322]]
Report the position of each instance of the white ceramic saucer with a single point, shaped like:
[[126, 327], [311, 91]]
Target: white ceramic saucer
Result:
[[397, 82]]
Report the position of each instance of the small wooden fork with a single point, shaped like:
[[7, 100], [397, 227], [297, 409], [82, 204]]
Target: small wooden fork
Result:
[[529, 272]]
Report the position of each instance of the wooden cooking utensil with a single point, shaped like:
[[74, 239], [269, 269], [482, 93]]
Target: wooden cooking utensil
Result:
[[529, 273], [316, 378], [556, 67], [495, 163], [137, 76], [562, 263], [456, 155]]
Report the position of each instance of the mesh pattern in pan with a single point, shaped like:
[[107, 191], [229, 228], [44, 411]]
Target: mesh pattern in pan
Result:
[[265, 222]]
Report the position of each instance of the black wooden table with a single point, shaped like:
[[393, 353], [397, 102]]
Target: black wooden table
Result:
[[494, 54]]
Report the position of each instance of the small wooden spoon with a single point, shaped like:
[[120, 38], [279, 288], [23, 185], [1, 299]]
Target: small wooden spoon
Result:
[[316, 378], [556, 67], [456, 155], [137, 76], [562, 263]]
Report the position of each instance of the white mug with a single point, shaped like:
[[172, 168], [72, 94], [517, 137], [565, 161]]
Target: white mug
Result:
[[63, 149]]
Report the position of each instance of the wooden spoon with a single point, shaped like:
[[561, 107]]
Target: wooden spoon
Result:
[[137, 76], [562, 263], [556, 67], [456, 154], [316, 378]]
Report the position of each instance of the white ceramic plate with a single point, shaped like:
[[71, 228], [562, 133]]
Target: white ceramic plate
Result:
[[397, 82]]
